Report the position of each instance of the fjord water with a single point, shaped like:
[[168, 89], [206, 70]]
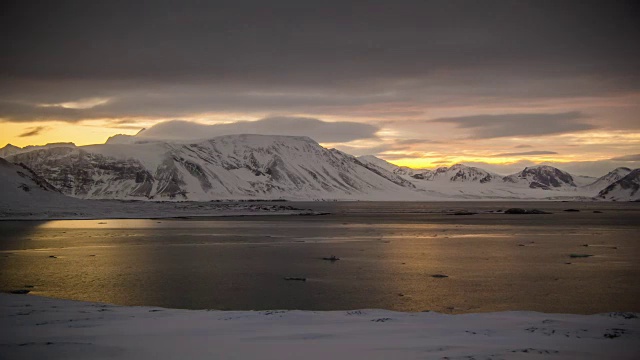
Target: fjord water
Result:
[[388, 253]]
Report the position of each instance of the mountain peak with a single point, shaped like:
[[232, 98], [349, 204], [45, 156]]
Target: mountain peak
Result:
[[244, 166], [541, 167], [610, 178], [626, 188], [543, 177], [250, 166]]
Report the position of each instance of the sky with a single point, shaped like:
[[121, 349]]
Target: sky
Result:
[[495, 84]]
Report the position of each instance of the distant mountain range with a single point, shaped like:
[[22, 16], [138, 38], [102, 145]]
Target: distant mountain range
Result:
[[235, 167]]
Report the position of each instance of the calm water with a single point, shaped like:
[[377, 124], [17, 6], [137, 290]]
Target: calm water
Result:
[[388, 253]]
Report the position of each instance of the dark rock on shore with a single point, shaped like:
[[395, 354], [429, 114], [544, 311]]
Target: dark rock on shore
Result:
[[20, 291], [525, 211], [464, 212], [331, 258], [536, 211], [515, 211]]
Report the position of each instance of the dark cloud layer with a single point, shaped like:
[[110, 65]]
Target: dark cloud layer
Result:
[[518, 125], [21, 112], [248, 41], [174, 58]]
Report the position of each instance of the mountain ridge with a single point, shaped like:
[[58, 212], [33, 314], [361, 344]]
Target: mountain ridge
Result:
[[231, 166], [249, 166]]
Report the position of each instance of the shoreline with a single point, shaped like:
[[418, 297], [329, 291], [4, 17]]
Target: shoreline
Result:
[[117, 209], [40, 327], [179, 217], [147, 210], [31, 294]]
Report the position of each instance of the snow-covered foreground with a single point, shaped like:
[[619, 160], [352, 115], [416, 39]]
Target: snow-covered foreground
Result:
[[42, 328]]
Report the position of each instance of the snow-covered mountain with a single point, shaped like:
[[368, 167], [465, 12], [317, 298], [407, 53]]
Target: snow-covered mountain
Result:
[[398, 170], [608, 179], [226, 167], [456, 173], [21, 177], [26, 195], [9, 150], [12, 149], [466, 182], [625, 189], [22, 190], [543, 177], [285, 167], [385, 170]]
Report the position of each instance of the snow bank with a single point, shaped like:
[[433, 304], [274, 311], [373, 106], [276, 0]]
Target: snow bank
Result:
[[42, 328]]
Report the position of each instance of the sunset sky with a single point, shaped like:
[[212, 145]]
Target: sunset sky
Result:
[[500, 84]]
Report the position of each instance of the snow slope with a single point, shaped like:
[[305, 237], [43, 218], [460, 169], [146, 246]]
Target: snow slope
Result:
[[399, 170], [42, 328], [226, 167], [602, 182], [21, 190], [12, 150], [237, 167], [466, 182], [543, 177], [625, 189], [25, 195]]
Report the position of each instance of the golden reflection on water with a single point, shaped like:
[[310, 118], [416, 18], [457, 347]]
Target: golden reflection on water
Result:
[[102, 224], [490, 266]]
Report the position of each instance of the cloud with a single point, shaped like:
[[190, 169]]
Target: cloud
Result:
[[225, 41], [400, 148], [440, 162], [24, 112], [226, 61], [170, 61], [397, 156], [634, 157], [518, 125], [416, 142], [33, 131], [526, 153], [79, 104], [321, 131], [359, 151]]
